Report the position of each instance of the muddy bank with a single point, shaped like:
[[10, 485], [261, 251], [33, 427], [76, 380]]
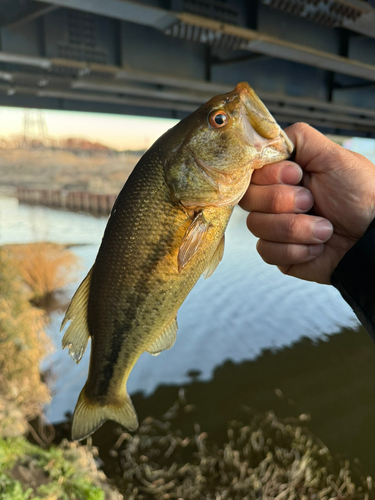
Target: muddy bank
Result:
[[262, 457]]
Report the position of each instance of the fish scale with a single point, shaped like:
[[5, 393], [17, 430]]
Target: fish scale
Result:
[[139, 268], [166, 229]]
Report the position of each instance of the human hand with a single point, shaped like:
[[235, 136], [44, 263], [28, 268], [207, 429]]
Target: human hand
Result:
[[337, 186]]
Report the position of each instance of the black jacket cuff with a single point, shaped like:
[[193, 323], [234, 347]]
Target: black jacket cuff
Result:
[[354, 278]]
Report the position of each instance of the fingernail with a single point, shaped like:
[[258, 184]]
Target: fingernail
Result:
[[304, 200], [291, 174], [315, 250], [322, 230]]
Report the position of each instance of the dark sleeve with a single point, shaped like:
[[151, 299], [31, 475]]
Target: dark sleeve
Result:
[[354, 278]]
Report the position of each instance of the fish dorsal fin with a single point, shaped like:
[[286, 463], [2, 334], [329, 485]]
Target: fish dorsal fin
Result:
[[192, 240], [216, 258], [77, 335], [165, 340]]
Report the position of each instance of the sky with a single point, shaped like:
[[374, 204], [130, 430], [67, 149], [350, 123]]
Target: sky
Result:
[[116, 131], [121, 132], [365, 147]]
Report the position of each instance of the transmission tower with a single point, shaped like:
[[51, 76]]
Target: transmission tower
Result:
[[34, 127]]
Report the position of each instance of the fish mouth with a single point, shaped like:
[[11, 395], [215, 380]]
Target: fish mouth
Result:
[[263, 123]]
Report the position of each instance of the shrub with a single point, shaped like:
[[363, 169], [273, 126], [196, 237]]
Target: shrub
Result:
[[23, 344], [44, 267]]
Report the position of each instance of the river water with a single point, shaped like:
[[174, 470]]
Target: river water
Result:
[[247, 323]]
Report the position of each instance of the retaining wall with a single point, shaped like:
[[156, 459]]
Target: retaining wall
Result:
[[71, 200]]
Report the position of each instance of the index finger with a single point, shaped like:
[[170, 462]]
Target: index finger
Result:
[[284, 172]]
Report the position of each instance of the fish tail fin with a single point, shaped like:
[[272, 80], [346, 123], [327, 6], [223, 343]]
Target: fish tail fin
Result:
[[89, 416]]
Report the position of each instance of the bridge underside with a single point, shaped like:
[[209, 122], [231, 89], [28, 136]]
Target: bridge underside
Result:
[[310, 61]]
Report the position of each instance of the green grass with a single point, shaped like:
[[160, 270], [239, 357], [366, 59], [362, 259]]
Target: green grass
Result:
[[65, 473]]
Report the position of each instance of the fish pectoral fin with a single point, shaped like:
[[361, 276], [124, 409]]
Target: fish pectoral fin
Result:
[[165, 340], [216, 258], [89, 416], [77, 335], [192, 240]]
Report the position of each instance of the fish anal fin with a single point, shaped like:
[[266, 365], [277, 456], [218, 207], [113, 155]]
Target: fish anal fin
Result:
[[165, 340], [77, 335], [216, 259], [88, 416], [192, 240]]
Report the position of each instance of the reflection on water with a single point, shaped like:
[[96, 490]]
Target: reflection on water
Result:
[[331, 379], [243, 310]]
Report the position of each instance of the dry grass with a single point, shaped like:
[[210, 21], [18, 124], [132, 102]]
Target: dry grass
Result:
[[31, 271], [62, 169], [44, 267], [24, 343]]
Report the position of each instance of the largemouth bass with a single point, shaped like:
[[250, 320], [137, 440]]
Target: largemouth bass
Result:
[[165, 230]]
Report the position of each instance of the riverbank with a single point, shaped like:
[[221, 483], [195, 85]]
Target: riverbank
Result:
[[65, 170], [263, 456], [28, 275], [64, 472]]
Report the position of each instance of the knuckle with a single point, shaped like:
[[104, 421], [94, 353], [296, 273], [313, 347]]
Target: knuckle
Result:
[[277, 200], [291, 228], [303, 126], [292, 253], [307, 132], [274, 172]]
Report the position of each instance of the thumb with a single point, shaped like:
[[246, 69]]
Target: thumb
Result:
[[309, 145]]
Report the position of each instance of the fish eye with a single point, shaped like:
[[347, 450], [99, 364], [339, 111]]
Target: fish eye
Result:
[[218, 119]]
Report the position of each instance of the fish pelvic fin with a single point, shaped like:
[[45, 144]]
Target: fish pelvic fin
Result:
[[165, 340], [89, 416], [216, 259], [77, 335]]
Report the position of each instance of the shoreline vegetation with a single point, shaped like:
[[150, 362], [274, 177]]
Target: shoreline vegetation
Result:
[[29, 274], [264, 457], [24, 343], [43, 267]]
